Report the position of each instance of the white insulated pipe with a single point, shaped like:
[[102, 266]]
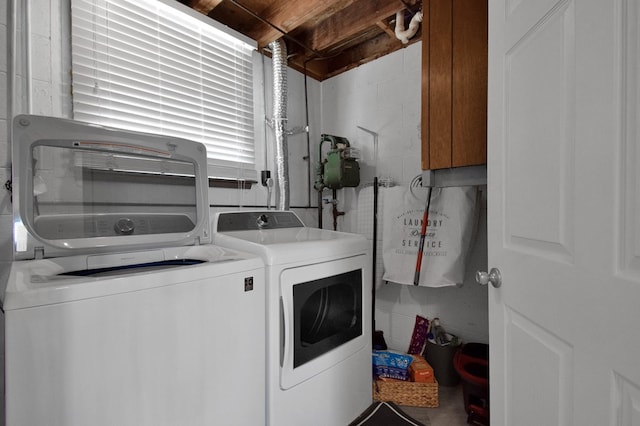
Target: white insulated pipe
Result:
[[402, 34]]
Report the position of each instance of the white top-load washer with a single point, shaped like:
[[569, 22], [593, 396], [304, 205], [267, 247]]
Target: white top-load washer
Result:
[[117, 309], [318, 315]]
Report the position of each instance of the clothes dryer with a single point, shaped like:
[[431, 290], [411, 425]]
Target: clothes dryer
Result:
[[117, 310], [318, 315]]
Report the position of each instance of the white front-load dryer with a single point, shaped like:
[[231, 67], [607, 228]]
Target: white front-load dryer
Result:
[[318, 322], [117, 309]]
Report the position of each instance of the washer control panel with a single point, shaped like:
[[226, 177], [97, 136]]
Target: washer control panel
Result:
[[56, 227]]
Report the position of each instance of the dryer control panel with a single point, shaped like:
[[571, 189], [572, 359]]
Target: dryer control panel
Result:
[[254, 220]]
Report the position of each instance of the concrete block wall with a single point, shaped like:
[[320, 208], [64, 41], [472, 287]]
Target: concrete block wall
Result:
[[384, 97], [6, 217], [6, 220], [49, 95]]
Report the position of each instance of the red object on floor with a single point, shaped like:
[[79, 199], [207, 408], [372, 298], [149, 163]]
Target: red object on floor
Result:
[[471, 362]]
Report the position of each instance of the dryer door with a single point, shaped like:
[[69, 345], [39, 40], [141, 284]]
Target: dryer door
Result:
[[325, 316]]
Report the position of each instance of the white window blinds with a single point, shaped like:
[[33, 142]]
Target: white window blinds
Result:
[[147, 66]]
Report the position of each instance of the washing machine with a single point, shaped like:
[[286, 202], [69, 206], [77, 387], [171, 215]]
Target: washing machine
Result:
[[117, 309], [318, 322]]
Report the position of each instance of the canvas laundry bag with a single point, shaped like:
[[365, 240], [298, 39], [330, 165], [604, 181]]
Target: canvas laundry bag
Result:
[[451, 227]]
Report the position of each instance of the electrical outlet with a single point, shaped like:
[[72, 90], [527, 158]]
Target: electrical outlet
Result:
[[264, 176]]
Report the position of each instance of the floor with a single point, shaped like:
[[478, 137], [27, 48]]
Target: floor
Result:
[[449, 413]]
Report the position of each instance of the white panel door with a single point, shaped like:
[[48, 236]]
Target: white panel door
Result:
[[564, 212]]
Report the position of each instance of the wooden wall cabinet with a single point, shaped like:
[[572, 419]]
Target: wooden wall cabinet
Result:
[[454, 83]]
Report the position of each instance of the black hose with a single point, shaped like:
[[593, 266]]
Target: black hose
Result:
[[306, 110], [320, 209], [374, 254]]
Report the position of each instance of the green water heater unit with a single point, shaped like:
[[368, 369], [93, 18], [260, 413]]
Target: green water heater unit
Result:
[[340, 168]]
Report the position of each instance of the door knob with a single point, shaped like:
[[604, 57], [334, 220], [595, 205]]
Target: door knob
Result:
[[492, 277]]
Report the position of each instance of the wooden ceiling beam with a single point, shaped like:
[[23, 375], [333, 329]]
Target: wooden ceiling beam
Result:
[[365, 52], [350, 22], [324, 37], [204, 6], [386, 28], [289, 15], [314, 69]]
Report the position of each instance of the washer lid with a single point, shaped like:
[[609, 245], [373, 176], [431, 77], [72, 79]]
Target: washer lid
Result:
[[82, 188]]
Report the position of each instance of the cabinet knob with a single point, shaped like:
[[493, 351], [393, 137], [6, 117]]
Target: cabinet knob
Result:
[[493, 277]]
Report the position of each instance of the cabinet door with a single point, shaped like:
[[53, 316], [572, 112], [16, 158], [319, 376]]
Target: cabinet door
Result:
[[454, 83], [469, 83], [439, 96]]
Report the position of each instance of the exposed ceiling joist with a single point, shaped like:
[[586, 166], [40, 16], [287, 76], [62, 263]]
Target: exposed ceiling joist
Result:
[[204, 6], [353, 57], [349, 22], [386, 28], [324, 37], [289, 15]]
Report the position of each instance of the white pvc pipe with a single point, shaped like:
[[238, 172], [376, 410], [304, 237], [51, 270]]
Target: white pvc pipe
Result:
[[402, 34]]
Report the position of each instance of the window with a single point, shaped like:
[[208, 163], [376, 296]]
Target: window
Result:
[[160, 67]]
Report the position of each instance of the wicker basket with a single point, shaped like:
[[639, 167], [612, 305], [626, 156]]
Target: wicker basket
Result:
[[414, 394]]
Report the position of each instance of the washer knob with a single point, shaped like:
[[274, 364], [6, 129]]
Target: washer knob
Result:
[[124, 226], [263, 221]]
